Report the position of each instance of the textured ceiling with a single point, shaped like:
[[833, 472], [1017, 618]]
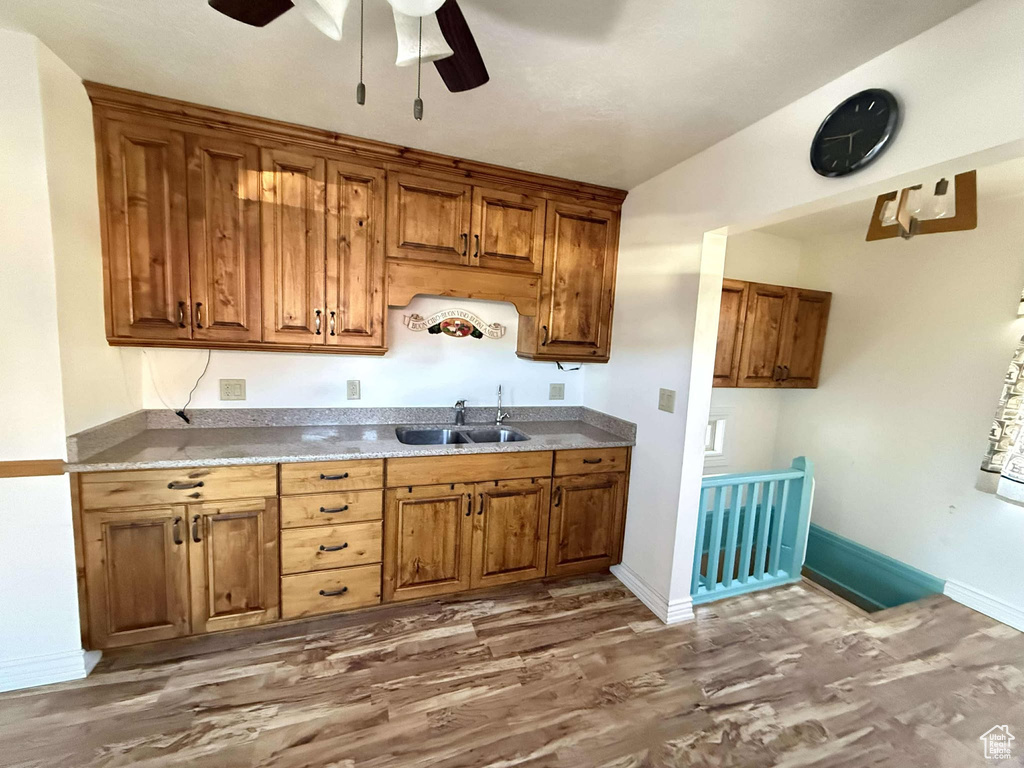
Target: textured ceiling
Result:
[[606, 91]]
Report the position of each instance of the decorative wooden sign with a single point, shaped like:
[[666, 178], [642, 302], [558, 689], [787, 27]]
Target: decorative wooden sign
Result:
[[455, 322]]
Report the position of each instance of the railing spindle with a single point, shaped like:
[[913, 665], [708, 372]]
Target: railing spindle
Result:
[[702, 516], [765, 517], [735, 512], [749, 520], [715, 546], [780, 524]]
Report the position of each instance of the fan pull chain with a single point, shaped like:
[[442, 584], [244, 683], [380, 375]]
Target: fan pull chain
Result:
[[361, 88], [417, 106]]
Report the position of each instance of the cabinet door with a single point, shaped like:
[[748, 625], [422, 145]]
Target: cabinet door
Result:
[[355, 256], [427, 541], [224, 239], [804, 337], [428, 219], [586, 523], [761, 353], [575, 318], [730, 332], [146, 227], [508, 231], [510, 531], [234, 564], [292, 226], [136, 574]]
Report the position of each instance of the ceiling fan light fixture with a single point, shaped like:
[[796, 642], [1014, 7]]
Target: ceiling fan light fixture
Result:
[[410, 50], [325, 15], [416, 7]]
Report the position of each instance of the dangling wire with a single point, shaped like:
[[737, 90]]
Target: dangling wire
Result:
[[417, 106], [360, 89]]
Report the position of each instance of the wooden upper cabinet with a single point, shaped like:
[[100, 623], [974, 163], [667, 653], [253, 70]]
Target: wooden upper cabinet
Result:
[[233, 559], [508, 231], [224, 239], [136, 574], [510, 531], [144, 206], [762, 335], [428, 218], [293, 234], [730, 332], [427, 541], [586, 522], [780, 332], [355, 255], [577, 287], [804, 337]]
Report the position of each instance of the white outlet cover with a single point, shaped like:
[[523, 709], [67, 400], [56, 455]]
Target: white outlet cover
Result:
[[667, 400], [232, 389], [352, 389], [556, 392]]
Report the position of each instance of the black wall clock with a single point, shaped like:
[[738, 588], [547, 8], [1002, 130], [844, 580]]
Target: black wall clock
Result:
[[855, 133]]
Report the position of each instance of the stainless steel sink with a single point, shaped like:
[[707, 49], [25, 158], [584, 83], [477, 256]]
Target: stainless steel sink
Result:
[[437, 436], [496, 435], [417, 436]]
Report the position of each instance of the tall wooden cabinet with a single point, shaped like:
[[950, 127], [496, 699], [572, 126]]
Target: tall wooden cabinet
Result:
[[770, 336], [228, 231]]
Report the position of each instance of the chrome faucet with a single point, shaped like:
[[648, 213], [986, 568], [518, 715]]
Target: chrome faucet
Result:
[[500, 416], [460, 413]]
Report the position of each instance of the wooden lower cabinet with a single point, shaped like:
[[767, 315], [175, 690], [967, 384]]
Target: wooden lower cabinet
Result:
[[586, 523], [510, 531], [427, 540], [136, 572], [341, 589], [233, 564]]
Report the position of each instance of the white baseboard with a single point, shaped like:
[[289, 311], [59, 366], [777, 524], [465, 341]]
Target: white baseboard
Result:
[[982, 602], [47, 669], [669, 612]]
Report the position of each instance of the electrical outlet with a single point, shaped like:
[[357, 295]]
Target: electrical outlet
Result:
[[232, 389], [667, 400], [556, 392], [352, 389]]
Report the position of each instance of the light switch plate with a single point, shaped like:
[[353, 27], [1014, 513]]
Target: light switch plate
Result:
[[352, 389], [556, 391], [232, 389], [667, 400]]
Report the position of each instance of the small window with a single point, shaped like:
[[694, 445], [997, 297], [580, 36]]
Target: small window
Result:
[[714, 440]]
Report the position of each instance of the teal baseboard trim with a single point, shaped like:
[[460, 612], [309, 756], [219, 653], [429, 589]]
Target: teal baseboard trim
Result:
[[874, 578]]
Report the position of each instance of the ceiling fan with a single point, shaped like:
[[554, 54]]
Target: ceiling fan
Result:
[[427, 30]]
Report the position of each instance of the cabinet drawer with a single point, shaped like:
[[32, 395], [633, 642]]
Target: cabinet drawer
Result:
[[588, 460], [330, 546], [331, 508], [148, 487], [471, 468], [345, 588], [324, 476]]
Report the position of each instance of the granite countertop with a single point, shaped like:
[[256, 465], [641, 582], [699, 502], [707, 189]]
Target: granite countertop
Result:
[[261, 441]]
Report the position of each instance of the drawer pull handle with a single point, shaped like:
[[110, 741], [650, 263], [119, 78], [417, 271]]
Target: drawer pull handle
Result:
[[333, 510], [333, 592], [592, 461], [480, 511], [177, 531], [333, 549], [195, 529], [469, 509], [342, 476], [184, 486], [558, 496]]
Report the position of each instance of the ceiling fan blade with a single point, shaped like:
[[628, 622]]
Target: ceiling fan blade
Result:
[[465, 70], [256, 13]]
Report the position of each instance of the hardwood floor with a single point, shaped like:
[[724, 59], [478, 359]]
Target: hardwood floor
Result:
[[570, 673]]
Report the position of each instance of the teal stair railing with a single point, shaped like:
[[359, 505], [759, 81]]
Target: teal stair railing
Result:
[[751, 531]]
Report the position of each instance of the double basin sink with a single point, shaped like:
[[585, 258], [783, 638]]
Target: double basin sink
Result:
[[456, 436]]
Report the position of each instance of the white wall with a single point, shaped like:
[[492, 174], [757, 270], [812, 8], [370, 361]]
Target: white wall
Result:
[[919, 338], [962, 87], [420, 369], [752, 415], [100, 382], [39, 640]]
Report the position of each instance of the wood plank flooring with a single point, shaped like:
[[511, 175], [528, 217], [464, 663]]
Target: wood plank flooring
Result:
[[570, 673]]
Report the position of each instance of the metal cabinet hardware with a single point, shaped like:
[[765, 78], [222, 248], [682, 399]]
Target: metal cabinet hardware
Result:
[[195, 529], [470, 510], [333, 593], [334, 549], [558, 496], [177, 531], [592, 461], [545, 342], [199, 314], [342, 476], [476, 252], [333, 510], [185, 486], [481, 510], [465, 243], [332, 322], [181, 314], [316, 321]]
